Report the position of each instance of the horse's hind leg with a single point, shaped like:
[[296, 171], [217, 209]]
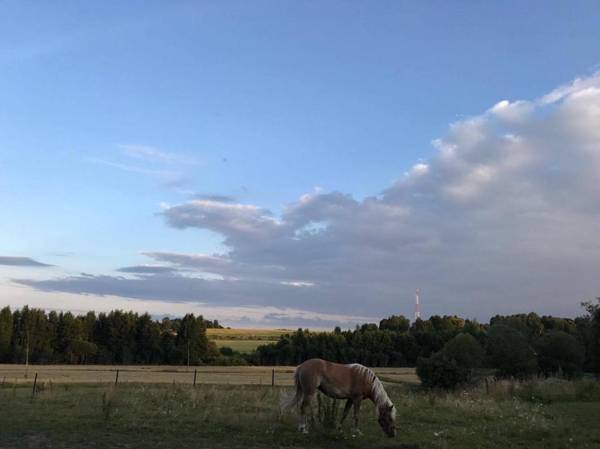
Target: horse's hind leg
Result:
[[306, 404]]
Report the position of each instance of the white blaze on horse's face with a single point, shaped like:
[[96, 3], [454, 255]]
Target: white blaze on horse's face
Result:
[[386, 417]]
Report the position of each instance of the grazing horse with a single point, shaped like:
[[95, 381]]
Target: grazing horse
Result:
[[352, 382]]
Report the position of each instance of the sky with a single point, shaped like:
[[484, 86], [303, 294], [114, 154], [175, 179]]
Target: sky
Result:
[[284, 164]]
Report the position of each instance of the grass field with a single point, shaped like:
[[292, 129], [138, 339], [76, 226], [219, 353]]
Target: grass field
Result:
[[247, 334], [130, 415], [245, 340], [243, 346]]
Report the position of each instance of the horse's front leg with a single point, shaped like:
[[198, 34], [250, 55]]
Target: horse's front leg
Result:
[[345, 413], [356, 403]]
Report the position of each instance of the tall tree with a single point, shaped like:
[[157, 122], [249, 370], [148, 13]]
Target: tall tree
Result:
[[510, 353], [191, 341], [396, 323], [147, 340], [122, 335], [68, 331], [6, 332], [589, 326]]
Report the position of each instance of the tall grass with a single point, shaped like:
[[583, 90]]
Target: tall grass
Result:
[[545, 390], [327, 412], [540, 413], [107, 403]]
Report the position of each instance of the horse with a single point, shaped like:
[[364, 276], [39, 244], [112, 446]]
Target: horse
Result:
[[353, 382]]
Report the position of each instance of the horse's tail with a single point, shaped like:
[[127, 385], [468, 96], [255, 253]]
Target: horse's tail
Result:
[[293, 401]]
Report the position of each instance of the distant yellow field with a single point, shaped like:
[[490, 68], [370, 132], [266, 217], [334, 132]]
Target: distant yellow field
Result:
[[245, 340], [247, 334], [239, 345]]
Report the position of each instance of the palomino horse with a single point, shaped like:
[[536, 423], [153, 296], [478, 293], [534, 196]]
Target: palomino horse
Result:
[[352, 382]]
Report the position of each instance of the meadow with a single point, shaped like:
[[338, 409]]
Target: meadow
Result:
[[246, 333], [244, 340], [535, 414], [241, 346]]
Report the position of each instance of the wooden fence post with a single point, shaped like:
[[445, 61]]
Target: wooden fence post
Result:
[[273, 377], [34, 385], [117, 377], [195, 374]]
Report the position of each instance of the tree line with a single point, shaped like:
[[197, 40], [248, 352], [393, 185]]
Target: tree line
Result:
[[31, 335], [514, 346], [443, 346]]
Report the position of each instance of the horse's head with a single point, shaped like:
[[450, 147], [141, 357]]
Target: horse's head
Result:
[[387, 416]]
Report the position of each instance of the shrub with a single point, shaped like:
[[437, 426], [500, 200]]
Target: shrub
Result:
[[453, 365], [226, 351], [509, 353], [465, 349], [559, 352], [439, 371]]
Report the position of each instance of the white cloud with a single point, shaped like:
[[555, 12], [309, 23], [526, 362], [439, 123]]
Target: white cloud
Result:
[[418, 169], [297, 283], [167, 167], [152, 154], [164, 175], [238, 221], [515, 112]]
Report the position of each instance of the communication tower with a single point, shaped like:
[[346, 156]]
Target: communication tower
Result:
[[417, 304]]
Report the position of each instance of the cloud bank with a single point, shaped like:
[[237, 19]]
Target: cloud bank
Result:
[[21, 262], [503, 219]]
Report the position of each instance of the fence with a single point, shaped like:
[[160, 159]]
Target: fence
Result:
[[19, 374], [234, 375]]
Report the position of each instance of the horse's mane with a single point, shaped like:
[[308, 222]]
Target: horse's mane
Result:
[[380, 397]]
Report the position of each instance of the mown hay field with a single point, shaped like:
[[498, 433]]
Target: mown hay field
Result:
[[154, 374], [136, 415], [245, 340], [247, 334]]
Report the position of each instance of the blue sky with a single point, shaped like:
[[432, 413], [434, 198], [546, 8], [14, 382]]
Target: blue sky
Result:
[[115, 116]]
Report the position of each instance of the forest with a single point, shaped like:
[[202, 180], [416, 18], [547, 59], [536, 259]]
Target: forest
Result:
[[31, 335], [518, 345], [514, 345]]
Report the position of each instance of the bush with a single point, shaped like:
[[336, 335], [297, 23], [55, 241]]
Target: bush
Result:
[[509, 353], [453, 365], [226, 351], [465, 349], [559, 353], [439, 371]]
